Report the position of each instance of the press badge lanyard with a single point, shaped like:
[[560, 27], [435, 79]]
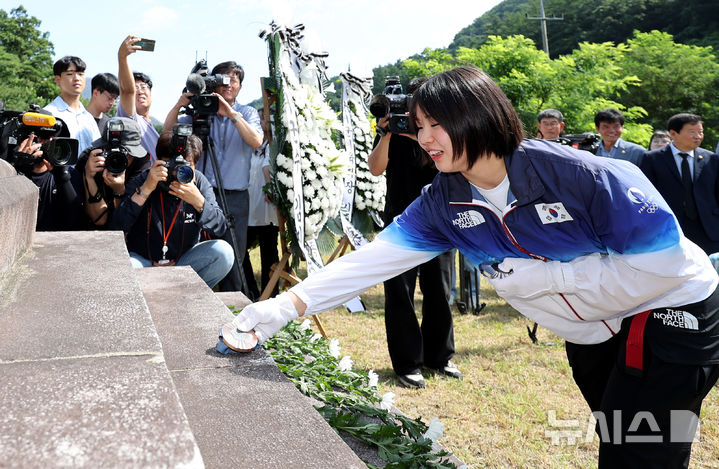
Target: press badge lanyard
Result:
[[166, 235]]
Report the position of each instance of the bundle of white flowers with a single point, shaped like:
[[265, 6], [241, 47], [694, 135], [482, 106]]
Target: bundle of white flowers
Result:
[[370, 190], [321, 161]]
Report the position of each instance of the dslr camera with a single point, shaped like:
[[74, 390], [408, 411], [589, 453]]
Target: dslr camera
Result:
[[392, 102], [114, 153], [178, 169], [16, 126]]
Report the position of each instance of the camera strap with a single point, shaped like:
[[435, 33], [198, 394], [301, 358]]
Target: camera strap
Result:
[[166, 233]]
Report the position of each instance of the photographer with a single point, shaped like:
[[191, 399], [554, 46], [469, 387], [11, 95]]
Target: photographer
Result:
[[136, 95], [411, 346], [60, 188], [235, 130], [108, 165], [163, 222]]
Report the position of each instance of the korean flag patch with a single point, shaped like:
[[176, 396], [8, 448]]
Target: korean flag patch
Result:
[[552, 213]]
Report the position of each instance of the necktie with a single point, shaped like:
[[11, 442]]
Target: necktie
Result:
[[690, 206]]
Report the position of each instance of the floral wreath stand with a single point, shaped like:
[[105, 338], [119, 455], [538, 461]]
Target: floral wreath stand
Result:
[[281, 269]]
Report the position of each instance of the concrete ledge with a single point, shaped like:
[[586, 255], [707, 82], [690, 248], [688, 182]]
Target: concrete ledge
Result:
[[75, 296], [18, 215], [243, 411], [84, 383], [117, 411], [235, 299]]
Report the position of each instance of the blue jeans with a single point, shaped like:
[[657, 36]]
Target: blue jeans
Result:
[[210, 259]]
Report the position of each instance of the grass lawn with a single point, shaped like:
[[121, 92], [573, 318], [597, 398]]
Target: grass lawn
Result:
[[501, 414]]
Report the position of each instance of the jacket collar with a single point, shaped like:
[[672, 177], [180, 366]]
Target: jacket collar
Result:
[[524, 183]]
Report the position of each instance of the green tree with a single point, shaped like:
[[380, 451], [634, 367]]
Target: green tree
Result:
[[691, 21], [589, 80], [579, 84], [673, 78], [26, 75]]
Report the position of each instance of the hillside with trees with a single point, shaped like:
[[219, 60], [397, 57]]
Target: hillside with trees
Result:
[[627, 60], [694, 22]]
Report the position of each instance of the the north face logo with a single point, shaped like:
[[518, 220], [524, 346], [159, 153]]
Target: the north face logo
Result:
[[680, 319], [468, 219]]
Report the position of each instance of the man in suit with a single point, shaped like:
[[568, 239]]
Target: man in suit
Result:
[[688, 178], [610, 125]]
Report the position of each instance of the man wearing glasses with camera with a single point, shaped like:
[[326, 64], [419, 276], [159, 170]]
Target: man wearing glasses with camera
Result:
[[235, 131], [136, 95]]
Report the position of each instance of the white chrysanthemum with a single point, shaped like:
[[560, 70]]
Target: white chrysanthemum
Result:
[[434, 432], [335, 348], [307, 112], [315, 338], [370, 190], [373, 378], [346, 363], [305, 326], [387, 401]]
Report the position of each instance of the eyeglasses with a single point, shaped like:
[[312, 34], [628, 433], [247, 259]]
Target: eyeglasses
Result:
[[110, 96], [142, 87]]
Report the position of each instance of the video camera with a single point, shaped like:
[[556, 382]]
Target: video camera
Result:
[[178, 169], [588, 141], [392, 102], [16, 126], [202, 85], [114, 152]]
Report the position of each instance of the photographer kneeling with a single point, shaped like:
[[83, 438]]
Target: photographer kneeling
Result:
[[170, 205]]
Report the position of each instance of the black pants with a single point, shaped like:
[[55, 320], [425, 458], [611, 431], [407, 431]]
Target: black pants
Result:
[[431, 344], [267, 237], [645, 419], [238, 204]]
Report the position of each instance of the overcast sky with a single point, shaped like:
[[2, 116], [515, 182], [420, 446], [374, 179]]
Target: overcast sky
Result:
[[362, 34]]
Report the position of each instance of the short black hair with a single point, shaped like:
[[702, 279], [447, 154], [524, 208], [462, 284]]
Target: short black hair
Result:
[[192, 151], [677, 121], [64, 63], [473, 110], [139, 76], [550, 114], [225, 68], [662, 134], [105, 82], [609, 115]]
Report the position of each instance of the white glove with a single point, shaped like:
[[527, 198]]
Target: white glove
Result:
[[266, 317], [528, 278]]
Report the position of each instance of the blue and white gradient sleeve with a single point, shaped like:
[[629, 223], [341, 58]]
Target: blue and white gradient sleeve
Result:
[[629, 215], [346, 277]]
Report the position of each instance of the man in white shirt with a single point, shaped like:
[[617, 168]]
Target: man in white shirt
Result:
[[70, 77]]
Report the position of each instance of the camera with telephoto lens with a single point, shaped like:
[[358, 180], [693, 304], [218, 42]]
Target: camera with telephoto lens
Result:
[[588, 141], [16, 126], [115, 154], [178, 169], [201, 84], [392, 102]]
